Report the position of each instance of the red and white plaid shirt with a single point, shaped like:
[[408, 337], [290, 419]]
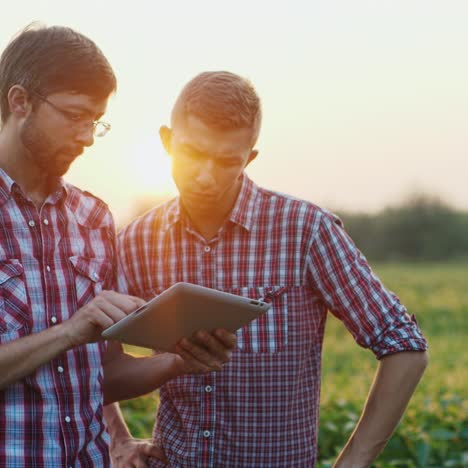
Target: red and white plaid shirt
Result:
[[51, 263], [262, 409]]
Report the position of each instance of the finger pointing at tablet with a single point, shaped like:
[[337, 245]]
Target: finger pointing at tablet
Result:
[[107, 308]]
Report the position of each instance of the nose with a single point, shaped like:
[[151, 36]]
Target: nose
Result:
[[85, 135], [205, 177]]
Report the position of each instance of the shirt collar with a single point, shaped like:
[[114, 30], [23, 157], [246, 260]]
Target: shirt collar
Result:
[[243, 212], [246, 206], [172, 213], [8, 186]]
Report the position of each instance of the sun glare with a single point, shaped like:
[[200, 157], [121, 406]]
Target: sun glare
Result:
[[152, 168]]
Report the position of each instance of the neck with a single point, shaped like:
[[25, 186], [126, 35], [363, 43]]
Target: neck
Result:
[[207, 225], [15, 160], [209, 220]]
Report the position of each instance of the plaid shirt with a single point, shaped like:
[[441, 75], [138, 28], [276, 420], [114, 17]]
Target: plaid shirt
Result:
[[262, 409], [53, 262]]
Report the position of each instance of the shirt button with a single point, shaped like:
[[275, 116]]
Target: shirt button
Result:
[[67, 419], [208, 389], [53, 319], [31, 223], [47, 268], [206, 434], [46, 222], [60, 369], [207, 248]]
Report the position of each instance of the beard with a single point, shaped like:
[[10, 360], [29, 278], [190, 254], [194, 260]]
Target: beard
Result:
[[52, 160]]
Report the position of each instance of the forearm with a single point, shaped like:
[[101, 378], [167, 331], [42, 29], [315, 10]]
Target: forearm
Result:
[[394, 384], [116, 423], [129, 377], [126, 451], [21, 357]]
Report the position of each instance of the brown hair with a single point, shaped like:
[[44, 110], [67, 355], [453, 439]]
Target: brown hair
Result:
[[221, 100], [51, 59]]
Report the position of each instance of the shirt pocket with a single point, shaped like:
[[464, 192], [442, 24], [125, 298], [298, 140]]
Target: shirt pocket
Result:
[[90, 276], [15, 311], [269, 332]]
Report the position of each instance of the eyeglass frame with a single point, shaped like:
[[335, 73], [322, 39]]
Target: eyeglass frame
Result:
[[77, 120]]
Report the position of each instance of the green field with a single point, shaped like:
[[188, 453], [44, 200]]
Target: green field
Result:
[[434, 431]]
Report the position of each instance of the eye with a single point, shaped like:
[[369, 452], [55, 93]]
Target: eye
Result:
[[227, 162], [188, 153], [76, 117]]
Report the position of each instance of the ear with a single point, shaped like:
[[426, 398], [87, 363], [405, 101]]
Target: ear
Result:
[[165, 133], [253, 154], [18, 101]]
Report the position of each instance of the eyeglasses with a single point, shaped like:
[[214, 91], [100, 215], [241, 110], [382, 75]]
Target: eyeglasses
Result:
[[100, 128]]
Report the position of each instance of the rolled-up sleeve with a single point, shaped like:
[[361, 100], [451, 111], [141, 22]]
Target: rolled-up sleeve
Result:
[[354, 294]]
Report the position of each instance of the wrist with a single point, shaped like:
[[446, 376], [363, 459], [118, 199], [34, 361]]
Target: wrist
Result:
[[116, 425], [119, 439], [356, 455], [64, 335], [174, 365]]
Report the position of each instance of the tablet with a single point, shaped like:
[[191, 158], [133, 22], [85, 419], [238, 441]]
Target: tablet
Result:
[[181, 310]]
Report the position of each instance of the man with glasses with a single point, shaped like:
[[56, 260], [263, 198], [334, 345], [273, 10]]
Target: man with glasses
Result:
[[57, 264]]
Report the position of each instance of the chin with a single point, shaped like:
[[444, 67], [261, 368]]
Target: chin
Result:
[[198, 207], [58, 171]]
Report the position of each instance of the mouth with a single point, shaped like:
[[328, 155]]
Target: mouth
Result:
[[67, 158], [202, 196], [77, 152], [72, 153]]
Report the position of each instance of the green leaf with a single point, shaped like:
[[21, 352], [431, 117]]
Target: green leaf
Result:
[[442, 434], [422, 453]]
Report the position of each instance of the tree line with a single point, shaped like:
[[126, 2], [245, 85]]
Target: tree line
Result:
[[423, 228]]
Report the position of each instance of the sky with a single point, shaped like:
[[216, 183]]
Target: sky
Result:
[[365, 102]]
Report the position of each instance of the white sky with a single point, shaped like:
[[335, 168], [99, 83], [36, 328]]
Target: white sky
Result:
[[364, 102]]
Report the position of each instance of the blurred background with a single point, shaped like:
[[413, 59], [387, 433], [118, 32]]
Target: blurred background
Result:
[[365, 102], [365, 113]]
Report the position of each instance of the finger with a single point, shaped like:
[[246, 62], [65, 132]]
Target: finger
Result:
[[122, 301], [191, 361], [112, 311], [213, 345], [122, 462], [138, 301], [200, 354], [101, 314], [228, 338], [126, 464], [152, 450], [96, 317]]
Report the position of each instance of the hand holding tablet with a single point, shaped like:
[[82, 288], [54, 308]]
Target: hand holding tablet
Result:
[[181, 310]]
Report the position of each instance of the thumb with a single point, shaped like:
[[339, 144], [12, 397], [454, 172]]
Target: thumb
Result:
[[152, 450]]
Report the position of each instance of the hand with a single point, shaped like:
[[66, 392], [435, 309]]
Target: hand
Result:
[[133, 453], [108, 307], [205, 352]]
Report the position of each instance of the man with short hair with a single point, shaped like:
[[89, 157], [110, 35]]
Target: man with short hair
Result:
[[57, 264], [227, 233]]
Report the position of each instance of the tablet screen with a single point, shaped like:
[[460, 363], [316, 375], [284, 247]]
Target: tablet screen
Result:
[[181, 310]]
